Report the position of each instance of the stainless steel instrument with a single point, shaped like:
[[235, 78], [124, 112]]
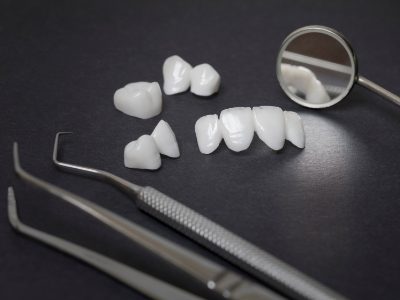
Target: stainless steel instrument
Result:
[[216, 277], [146, 284], [216, 238]]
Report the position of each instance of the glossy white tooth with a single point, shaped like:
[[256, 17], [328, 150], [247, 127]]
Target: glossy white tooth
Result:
[[142, 154], [269, 123], [294, 129], [302, 77], [176, 73], [208, 133], [237, 127], [316, 92], [165, 139], [140, 99], [299, 78], [205, 80]]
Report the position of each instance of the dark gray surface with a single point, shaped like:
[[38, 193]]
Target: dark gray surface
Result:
[[331, 210]]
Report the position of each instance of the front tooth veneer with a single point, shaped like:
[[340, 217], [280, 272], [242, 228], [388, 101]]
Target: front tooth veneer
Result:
[[205, 80], [208, 133], [165, 139], [140, 99], [176, 72], [294, 129], [237, 127], [142, 154], [269, 123]]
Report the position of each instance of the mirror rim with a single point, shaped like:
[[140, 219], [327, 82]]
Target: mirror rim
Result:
[[334, 34]]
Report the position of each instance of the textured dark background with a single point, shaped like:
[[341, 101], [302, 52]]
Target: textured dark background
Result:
[[331, 210]]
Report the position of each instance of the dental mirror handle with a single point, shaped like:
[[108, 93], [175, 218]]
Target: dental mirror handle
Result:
[[378, 89], [232, 247]]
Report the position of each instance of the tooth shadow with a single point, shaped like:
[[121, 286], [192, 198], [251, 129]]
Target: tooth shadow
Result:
[[258, 146], [262, 147], [181, 94]]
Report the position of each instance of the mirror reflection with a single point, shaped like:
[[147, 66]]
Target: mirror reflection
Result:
[[316, 68]]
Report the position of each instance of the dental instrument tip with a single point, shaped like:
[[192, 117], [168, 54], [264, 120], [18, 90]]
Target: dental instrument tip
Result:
[[12, 208], [17, 165], [63, 132], [56, 143]]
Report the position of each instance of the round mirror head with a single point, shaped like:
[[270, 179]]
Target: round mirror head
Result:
[[316, 66]]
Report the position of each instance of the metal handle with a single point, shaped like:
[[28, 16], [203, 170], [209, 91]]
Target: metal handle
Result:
[[195, 265], [232, 247], [215, 276], [378, 89], [146, 284]]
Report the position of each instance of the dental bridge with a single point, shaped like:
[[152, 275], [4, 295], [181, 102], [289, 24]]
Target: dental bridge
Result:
[[287, 282]]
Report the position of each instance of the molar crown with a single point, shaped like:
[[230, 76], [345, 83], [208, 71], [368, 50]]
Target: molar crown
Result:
[[179, 75], [145, 152], [205, 80], [139, 99], [142, 154]]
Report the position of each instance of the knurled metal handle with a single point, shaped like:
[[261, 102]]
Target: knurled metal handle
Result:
[[232, 247]]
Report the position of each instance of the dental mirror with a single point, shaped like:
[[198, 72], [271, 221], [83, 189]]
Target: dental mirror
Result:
[[317, 68]]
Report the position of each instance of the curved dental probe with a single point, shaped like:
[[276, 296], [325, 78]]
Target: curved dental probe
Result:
[[216, 277], [146, 284], [119, 182], [283, 277]]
